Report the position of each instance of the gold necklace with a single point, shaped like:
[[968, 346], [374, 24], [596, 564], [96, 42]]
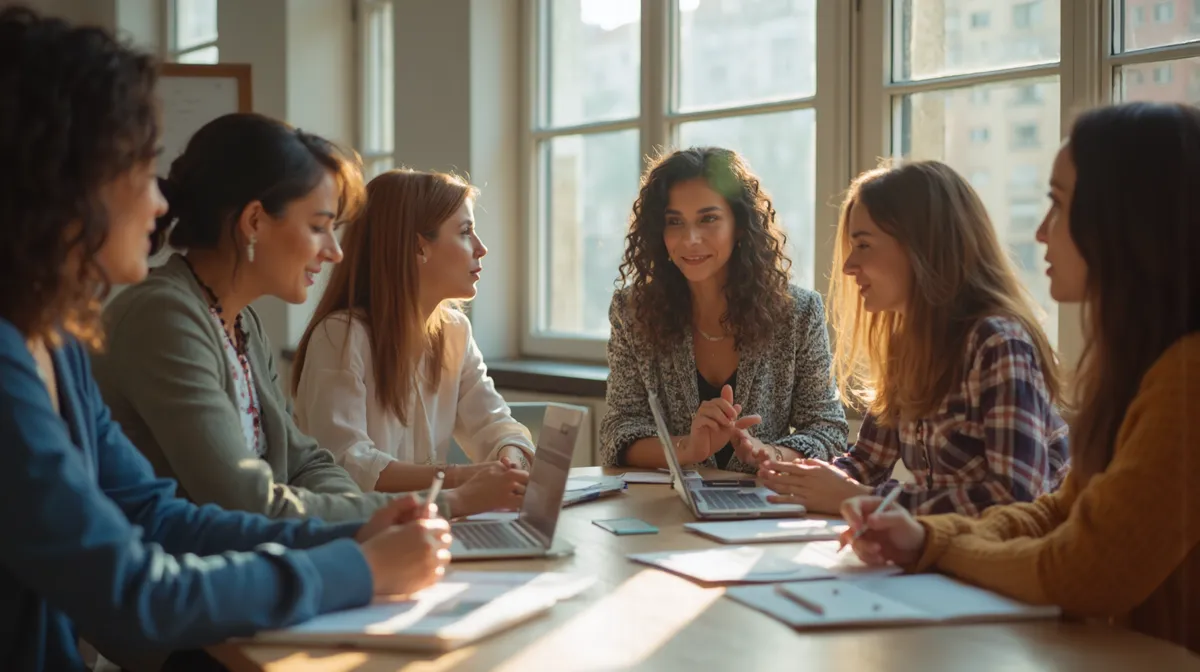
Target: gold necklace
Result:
[[711, 339]]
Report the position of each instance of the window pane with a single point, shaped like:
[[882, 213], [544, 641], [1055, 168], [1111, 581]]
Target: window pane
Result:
[[1154, 23], [195, 23], [373, 167], [202, 55], [1009, 138], [378, 80], [594, 54], [1166, 82], [589, 183], [735, 52], [786, 169], [934, 38]]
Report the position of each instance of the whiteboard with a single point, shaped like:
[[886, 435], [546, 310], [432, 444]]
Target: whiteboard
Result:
[[192, 96], [188, 104]]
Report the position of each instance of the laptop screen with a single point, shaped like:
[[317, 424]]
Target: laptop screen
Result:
[[664, 435], [551, 464]]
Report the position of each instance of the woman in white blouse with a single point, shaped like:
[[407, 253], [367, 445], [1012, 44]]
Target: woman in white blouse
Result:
[[388, 372]]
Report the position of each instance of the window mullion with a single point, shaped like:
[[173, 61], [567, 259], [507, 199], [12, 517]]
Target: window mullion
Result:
[[1084, 83], [834, 92], [656, 74], [871, 106]]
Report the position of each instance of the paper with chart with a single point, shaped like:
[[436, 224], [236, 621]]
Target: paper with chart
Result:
[[884, 601]]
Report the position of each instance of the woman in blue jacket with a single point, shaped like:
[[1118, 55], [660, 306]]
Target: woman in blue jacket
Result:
[[93, 545]]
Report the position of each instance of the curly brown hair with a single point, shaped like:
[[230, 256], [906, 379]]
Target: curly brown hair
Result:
[[757, 283], [78, 110]]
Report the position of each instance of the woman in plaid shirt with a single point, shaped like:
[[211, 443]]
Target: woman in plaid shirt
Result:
[[937, 342]]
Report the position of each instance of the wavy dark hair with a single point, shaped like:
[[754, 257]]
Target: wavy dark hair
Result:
[[78, 110], [757, 283], [1135, 217]]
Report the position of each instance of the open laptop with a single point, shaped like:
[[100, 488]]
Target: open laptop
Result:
[[532, 533], [716, 500]]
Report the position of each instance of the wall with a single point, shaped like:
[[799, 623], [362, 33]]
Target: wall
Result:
[[302, 56], [458, 88]]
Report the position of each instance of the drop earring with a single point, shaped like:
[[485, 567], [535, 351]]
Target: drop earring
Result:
[[250, 248]]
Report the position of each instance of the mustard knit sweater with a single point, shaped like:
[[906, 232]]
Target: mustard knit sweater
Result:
[[1123, 546]]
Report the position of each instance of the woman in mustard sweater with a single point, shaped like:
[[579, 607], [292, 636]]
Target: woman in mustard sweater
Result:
[[1121, 539]]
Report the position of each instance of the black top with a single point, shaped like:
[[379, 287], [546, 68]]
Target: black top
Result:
[[709, 391]]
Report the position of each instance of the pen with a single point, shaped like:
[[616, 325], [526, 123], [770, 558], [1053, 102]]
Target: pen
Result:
[[435, 489], [883, 506]]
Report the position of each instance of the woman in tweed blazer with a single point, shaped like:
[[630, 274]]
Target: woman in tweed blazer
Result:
[[739, 358]]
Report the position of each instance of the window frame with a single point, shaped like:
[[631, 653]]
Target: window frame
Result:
[[1078, 70], [854, 111], [172, 53], [658, 124], [368, 152]]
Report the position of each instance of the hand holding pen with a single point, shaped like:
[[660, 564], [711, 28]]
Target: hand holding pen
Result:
[[406, 544], [881, 533]]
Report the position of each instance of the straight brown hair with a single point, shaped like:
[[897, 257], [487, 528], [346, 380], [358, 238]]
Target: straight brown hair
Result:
[[1135, 217], [378, 281], [903, 366]]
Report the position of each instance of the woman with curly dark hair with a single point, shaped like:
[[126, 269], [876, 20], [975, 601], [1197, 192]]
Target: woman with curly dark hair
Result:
[[94, 545], [708, 320]]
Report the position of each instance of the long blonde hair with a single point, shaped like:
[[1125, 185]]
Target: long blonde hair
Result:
[[897, 365], [378, 281]]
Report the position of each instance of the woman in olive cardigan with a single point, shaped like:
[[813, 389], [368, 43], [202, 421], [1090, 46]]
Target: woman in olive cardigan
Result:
[[187, 369]]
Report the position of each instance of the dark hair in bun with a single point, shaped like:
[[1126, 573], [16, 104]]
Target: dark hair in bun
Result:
[[237, 159]]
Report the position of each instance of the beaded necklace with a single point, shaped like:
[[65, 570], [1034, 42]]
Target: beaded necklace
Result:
[[239, 343]]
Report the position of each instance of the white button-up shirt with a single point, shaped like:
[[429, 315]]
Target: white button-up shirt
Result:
[[336, 404]]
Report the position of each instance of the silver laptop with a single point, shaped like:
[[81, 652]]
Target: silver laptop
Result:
[[717, 499], [532, 533]]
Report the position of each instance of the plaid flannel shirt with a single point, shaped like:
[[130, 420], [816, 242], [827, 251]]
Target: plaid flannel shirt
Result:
[[995, 439]]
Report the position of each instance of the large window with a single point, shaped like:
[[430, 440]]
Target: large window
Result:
[[377, 81], [935, 112], [192, 31], [1157, 60], [987, 86], [740, 74]]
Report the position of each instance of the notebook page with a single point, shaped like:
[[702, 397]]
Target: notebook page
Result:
[[744, 564], [848, 607], [768, 530], [945, 599]]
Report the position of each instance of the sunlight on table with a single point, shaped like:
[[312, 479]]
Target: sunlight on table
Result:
[[334, 662], [645, 612]]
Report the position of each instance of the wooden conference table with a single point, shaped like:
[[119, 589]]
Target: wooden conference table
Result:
[[636, 617]]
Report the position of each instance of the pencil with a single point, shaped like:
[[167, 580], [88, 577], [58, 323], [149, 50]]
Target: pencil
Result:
[[883, 506], [812, 606]]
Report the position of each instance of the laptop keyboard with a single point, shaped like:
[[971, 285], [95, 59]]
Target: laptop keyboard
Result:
[[729, 501], [491, 536]]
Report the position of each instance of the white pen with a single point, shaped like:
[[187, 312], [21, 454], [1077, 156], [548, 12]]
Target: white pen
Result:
[[435, 489], [883, 506]]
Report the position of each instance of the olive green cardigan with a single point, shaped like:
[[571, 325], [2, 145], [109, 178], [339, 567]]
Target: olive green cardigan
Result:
[[166, 377]]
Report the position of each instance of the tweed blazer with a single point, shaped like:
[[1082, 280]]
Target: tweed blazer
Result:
[[788, 382]]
